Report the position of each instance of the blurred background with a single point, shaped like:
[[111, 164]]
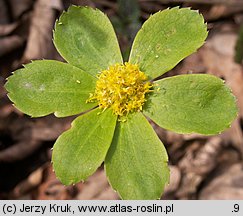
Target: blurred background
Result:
[[201, 167]]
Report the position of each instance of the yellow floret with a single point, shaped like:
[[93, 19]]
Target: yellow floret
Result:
[[122, 87]]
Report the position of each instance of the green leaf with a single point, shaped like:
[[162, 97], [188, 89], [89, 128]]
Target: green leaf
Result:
[[136, 163], [166, 38], [79, 151], [86, 39], [238, 47], [47, 86], [196, 103]]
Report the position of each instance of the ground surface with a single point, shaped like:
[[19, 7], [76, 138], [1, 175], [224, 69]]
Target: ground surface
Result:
[[201, 167]]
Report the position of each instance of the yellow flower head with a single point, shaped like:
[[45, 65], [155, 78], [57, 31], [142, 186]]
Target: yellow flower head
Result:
[[122, 87]]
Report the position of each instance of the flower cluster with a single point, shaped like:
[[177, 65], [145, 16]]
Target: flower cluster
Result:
[[122, 87]]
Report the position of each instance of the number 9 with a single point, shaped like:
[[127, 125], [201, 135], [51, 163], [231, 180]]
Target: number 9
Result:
[[236, 207]]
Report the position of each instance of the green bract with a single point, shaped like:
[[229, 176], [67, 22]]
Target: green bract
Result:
[[134, 157]]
